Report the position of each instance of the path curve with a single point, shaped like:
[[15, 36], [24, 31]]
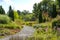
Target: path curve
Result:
[[24, 33]]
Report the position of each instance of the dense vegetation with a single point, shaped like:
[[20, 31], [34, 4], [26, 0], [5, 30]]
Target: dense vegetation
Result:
[[45, 19]]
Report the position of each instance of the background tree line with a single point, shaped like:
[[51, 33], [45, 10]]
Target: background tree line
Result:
[[49, 6], [23, 15]]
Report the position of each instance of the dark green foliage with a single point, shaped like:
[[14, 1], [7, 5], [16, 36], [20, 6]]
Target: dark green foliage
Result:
[[50, 7], [44, 20], [24, 12], [35, 10], [50, 11], [40, 13], [18, 12], [58, 3], [54, 13], [11, 13], [45, 5], [40, 17], [29, 17], [39, 8], [56, 23], [2, 10]]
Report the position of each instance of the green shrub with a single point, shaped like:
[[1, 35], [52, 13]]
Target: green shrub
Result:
[[10, 26], [4, 19], [40, 26], [36, 27], [56, 23], [4, 32]]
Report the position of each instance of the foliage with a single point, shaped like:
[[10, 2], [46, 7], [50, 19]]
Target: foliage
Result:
[[16, 16], [10, 26], [40, 13], [17, 19], [4, 32], [4, 19], [45, 6], [56, 23], [11, 13], [40, 18], [54, 13], [18, 11], [29, 17], [35, 10], [24, 12], [58, 2], [2, 10], [8, 29], [44, 32]]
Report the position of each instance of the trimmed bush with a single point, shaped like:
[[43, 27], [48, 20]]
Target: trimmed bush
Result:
[[4, 19]]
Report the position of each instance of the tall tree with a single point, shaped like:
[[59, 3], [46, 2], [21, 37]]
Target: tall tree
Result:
[[58, 2], [2, 10], [11, 13], [44, 5], [49, 6], [40, 13], [54, 13], [35, 10]]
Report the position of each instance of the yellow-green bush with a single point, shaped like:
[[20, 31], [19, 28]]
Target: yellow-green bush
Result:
[[4, 19], [9, 26]]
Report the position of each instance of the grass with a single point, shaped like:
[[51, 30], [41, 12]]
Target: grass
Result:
[[44, 31], [1, 36], [45, 35], [10, 28]]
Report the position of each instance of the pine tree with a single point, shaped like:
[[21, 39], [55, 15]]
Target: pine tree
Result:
[[2, 10], [54, 13], [35, 10], [40, 13], [11, 13]]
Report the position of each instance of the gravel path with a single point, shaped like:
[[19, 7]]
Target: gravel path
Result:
[[23, 34]]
